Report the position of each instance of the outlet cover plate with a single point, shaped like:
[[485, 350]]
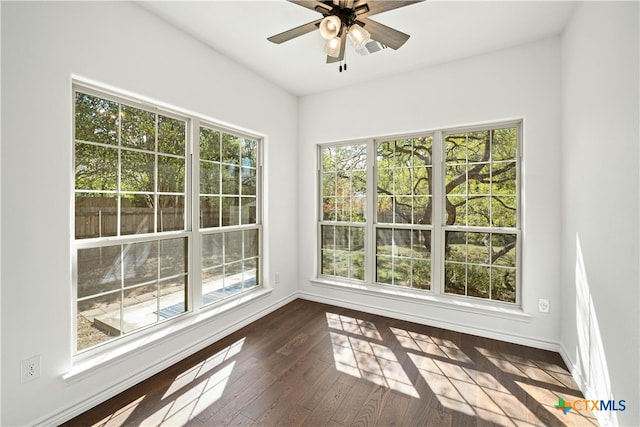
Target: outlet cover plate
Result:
[[30, 369]]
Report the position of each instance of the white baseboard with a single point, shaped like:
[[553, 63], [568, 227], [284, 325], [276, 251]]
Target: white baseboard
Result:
[[78, 408], [438, 323]]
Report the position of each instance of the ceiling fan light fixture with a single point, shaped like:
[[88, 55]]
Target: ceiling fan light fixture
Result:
[[332, 47], [359, 36], [330, 27]]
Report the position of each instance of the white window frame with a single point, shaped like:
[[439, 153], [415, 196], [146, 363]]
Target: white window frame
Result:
[[438, 222], [192, 231]]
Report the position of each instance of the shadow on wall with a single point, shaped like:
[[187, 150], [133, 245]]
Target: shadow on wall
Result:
[[591, 358]]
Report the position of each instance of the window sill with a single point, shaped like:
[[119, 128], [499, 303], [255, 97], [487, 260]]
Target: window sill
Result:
[[440, 301], [84, 365]]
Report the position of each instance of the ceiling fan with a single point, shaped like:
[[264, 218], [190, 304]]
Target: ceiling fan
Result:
[[342, 18]]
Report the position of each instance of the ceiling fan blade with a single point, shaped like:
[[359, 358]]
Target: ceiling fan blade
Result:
[[374, 6], [343, 44], [383, 34], [295, 32], [316, 5]]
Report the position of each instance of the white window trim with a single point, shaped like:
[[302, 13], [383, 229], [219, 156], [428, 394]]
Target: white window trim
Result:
[[436, 294]]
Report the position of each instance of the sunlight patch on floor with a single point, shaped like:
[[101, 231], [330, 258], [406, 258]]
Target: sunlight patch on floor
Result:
[[202, 368], [549, 399], [196, 399], [430, 345], [353, 326], [472, 392]]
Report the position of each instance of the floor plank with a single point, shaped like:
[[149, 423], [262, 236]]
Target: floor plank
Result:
[[311, 364]]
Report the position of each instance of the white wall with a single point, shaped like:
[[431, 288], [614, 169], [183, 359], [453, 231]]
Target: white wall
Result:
[[600, 323], [122, 45], [522, 82]]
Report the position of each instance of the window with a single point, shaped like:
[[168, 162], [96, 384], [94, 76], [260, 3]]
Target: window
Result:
[[455, 221], [134, 208]]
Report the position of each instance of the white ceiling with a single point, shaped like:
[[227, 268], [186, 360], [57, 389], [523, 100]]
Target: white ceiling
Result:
[[441, 31]]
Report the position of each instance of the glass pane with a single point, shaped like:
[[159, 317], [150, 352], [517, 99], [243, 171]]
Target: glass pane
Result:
[[138, 128], [171, 174], [140, 263], [358, 209], [212, 285], [385, 181], [140, 307], [422, 210], [342, 264], [249, 210], [250, 274], [504, 211], [327, 266], [384, 270], [96, 215], [98, 320], [230, 149], [479, 178], [342, 238], [384, 241], [327, 233], [328, 163], [249, 153], [478, 281], [137, 171], [343, 212], [171, 135], [455, 248], [329, 184], [357, 266], [478, 147], [136, 214], [170, 213], [248, 181], [99, 270], [357, 239], [230, 179], [402, 243], [456, 207], [454, 278], [504, 249], [421, 274], [422, 151], [404, 210], [209, 144], [456, 148], [173, 257], [478, 214], [421, 177], [96, 167], [402, 272], [209, 212], [329, 208], [504, 178], [478, 248], [172, 297], [402, 182], [96, 119], [421, 244], [250, 243], [232, 246], [212, 250], [230, 211], [503, 284], [456, 180], [503, 144], [233, 278], [209, 178], [385, 210]]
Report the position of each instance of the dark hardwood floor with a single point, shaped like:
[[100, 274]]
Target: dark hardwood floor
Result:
[[312, 364]]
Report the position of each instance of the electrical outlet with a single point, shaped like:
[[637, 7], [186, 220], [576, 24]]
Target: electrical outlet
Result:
[[543, 305], [30, 369], [276, 278]]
